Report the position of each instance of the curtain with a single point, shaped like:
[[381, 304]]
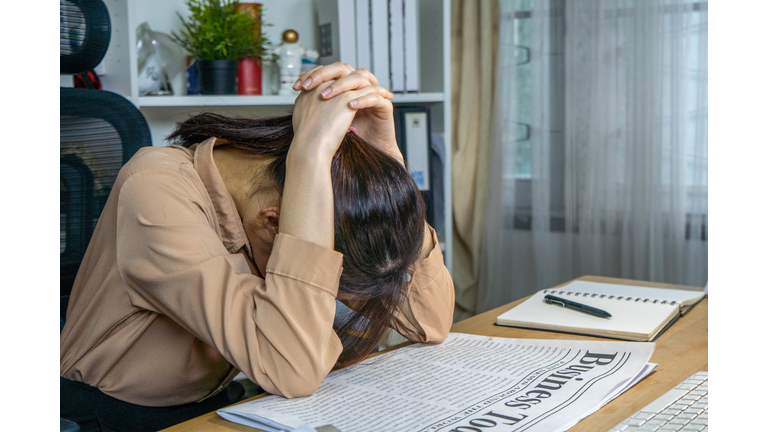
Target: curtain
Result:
[[473, 46], [609, 177]]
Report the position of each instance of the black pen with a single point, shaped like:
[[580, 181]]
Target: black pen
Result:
[[550, 299]]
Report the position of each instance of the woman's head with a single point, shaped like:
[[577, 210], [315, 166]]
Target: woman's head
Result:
[[378, 218]]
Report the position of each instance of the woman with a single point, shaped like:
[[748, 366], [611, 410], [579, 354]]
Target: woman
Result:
[[217, 255]]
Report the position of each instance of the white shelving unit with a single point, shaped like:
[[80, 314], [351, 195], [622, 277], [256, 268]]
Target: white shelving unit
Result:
[[162, 112]]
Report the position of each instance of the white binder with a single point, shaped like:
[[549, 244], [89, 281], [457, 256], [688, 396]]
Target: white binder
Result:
[[380, 41], [397, 56], [363, 31], [411, 42], [416, 132]]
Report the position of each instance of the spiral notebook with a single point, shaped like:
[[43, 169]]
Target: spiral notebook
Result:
[[638, 313]]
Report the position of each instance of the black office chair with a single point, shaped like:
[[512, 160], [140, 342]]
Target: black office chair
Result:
[[99, 132]]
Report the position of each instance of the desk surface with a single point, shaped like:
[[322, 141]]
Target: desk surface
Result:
[[680, 351]]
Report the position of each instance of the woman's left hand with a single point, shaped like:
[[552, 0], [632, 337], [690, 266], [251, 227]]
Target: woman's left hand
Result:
[[374, 120]]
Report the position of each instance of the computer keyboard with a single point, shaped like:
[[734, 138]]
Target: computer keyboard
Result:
[[684, 408]]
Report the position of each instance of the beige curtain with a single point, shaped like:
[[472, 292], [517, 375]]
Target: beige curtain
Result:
[[474, 35]]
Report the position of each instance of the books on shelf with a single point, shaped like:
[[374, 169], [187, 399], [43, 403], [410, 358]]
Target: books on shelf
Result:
[[638, 313], [397, 57], [380, 41], [411, 44], [363, 32], [379, 35]]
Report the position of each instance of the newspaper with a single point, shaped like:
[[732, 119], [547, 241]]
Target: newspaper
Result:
[[467, 383]]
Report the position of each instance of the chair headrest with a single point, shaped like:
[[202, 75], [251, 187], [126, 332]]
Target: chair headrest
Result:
[[84, 35]]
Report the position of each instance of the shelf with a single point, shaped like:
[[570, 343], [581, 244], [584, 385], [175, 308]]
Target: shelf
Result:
[[237, 100], [213, 100]]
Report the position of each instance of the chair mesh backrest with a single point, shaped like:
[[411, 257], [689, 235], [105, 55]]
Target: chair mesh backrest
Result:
[[84, 32], [99, 132]]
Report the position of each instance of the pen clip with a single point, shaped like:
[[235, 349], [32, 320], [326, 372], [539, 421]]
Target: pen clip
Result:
[[553, 301]]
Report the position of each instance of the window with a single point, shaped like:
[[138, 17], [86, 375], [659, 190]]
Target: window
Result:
[[540, 61]]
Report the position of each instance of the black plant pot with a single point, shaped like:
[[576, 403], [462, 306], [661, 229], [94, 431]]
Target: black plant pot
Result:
[[218, 76]]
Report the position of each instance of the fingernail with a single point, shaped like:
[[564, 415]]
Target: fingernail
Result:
[[326, 92], [353, 103], [296, 85], [307, 82]]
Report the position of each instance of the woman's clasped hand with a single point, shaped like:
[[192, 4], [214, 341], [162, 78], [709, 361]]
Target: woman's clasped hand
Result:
[[336, 96]]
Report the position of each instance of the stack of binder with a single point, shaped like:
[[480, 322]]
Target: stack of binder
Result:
[[422, 151], [379, 35]]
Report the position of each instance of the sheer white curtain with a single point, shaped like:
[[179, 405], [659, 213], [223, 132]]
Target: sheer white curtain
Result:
[[617, 111]]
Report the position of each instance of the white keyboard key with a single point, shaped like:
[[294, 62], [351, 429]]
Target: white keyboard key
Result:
[[664, 417], [619, 428], [699, 421], [685, 386], [664, 400], [692, 428], [678, 421], [670, 428], [643, 415], [635, 422], [653, 425]]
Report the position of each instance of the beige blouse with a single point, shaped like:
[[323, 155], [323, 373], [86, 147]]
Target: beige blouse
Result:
[[166, 309]]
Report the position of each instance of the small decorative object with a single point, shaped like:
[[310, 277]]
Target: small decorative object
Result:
[[159, 61], [219, 33], [290, 56]]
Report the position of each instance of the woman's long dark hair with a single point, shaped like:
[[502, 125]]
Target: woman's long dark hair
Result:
[[378, 217]]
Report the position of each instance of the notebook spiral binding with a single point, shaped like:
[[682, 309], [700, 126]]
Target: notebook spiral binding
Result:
[[610, 297]]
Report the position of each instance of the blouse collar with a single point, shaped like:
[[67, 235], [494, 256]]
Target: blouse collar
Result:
[[230, 223]]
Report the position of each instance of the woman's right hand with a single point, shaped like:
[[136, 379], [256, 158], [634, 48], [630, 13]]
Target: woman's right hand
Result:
[[319, 125]]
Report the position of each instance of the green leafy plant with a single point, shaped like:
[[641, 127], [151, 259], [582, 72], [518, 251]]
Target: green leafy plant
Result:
[[221, 30]]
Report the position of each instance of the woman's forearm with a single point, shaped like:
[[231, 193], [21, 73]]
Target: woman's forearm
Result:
[[306, 210]]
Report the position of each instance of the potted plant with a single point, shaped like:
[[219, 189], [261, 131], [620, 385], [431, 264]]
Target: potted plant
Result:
[[218, 33]]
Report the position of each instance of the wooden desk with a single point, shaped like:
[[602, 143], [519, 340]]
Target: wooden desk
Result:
[[681, 351]]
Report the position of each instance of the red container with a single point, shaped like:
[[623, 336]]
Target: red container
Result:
[[249, 74]]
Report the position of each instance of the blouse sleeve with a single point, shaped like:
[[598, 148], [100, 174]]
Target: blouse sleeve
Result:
[[277, 330], [426, 314]]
